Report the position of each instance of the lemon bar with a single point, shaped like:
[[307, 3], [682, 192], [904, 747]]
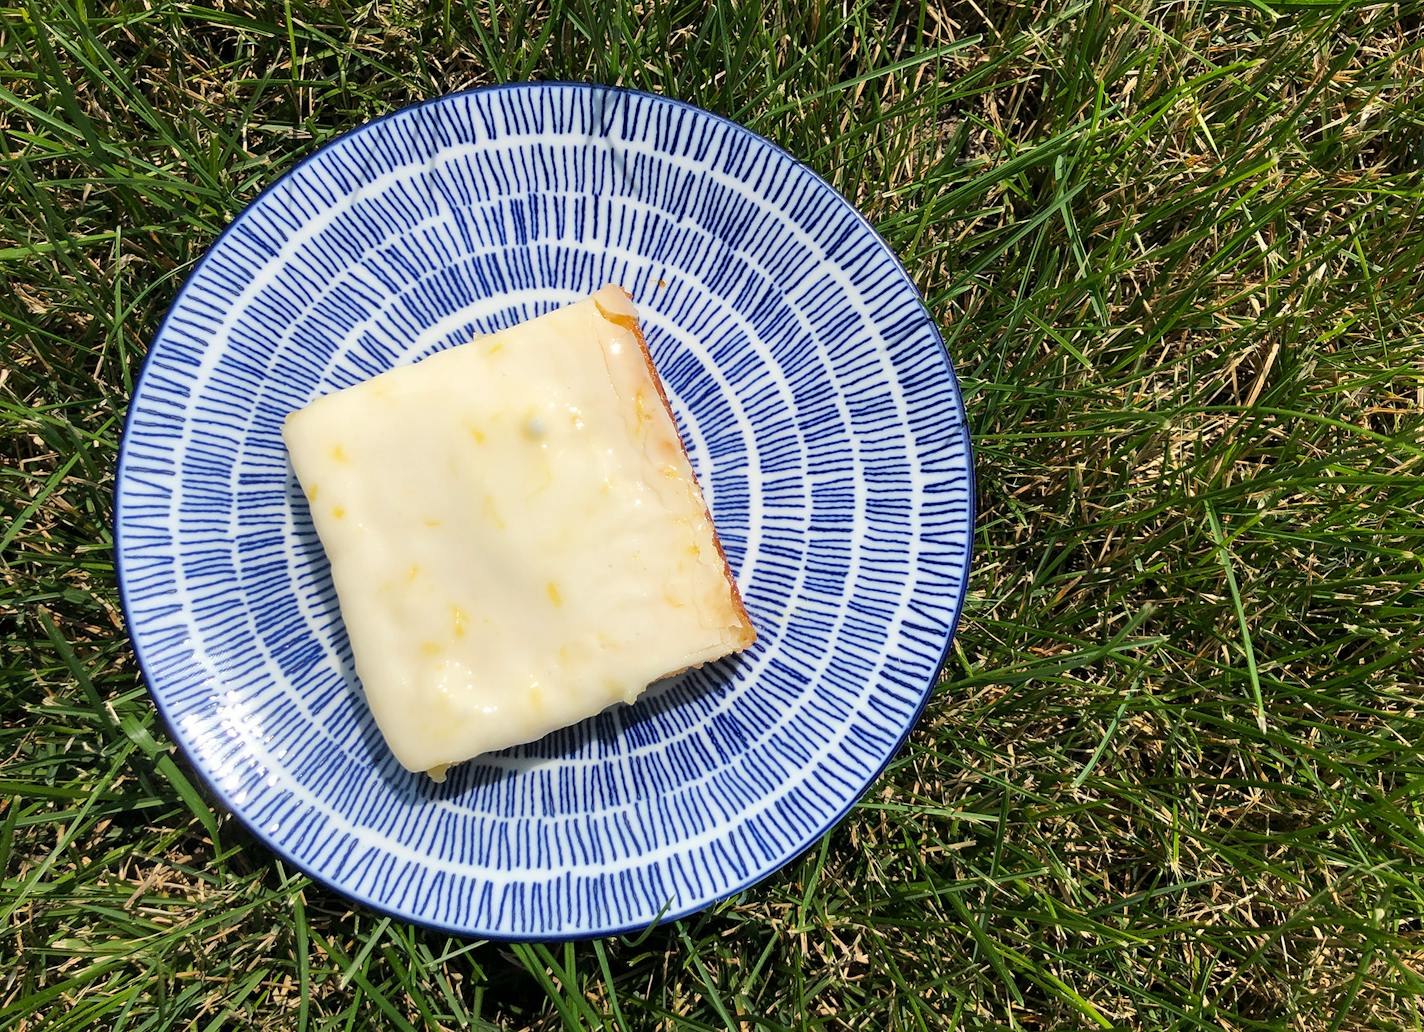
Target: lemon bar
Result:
[[516, 536]]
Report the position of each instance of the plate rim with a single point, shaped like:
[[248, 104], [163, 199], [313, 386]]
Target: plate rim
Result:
[[667, 916]]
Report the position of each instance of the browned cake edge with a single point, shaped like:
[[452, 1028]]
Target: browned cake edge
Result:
[[748, 635]]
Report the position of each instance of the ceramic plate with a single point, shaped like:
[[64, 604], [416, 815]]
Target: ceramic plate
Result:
[[819, 409]]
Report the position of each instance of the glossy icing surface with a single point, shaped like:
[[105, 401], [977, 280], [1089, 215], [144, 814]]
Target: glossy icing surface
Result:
[[515, 535]]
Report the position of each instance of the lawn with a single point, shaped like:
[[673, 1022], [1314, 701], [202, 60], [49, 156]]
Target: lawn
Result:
[[1172, 775]]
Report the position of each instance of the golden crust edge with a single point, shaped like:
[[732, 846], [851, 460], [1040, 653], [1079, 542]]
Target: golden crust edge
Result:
[[747, 632]]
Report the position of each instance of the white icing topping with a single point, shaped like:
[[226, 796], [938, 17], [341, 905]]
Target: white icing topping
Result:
[[515, 535]]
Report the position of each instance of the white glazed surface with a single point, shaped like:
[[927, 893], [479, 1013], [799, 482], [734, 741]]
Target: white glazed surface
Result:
[[515, 537]]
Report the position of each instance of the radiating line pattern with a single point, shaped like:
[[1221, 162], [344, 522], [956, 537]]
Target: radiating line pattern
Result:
[[818, 407]]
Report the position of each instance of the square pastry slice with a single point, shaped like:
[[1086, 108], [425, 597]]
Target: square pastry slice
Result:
[[516, 536]]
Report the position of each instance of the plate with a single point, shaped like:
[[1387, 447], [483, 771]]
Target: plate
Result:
[[819, 408]]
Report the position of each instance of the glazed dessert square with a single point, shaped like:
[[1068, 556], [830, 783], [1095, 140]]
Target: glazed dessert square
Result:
[[516, 536]]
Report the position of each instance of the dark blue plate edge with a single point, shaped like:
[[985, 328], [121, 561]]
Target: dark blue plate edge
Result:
[[216, 790]]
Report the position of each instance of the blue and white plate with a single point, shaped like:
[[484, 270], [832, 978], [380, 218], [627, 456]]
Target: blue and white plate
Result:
[[819, 409]]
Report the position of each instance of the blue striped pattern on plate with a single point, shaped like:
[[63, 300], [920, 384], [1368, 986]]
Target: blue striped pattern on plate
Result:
[[818, 407]]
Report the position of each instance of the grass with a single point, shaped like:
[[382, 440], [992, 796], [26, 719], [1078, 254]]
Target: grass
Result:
[[1172, 776]]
